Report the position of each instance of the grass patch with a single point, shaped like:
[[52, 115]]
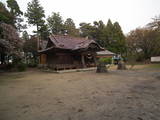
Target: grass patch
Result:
[[154, 66], [138, 66]]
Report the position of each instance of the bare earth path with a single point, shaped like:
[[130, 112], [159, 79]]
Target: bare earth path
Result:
[[117, 95]]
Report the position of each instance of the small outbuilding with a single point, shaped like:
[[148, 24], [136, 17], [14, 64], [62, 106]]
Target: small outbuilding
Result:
[[66, 52], [105, 54]]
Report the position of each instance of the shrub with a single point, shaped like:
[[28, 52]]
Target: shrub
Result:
[[9, 66], [32, 65], [105, 60], [21, 67]]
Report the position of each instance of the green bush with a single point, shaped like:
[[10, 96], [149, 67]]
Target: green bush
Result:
[[105, 60], [32, 65], [21, 67], [9, 66]]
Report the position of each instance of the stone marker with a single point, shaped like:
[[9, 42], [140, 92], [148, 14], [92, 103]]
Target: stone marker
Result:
[[101, 68]]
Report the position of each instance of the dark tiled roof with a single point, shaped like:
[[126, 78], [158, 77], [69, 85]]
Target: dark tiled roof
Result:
[[70, 43]]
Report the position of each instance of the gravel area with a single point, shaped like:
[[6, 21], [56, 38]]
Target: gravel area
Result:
[[117, 95]]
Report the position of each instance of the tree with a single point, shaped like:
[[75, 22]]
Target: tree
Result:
[[13, 15], [87, 30], [98, 32], [35, 14], [16, 13], [155, 24], [5, 15], [108, 35], [95, 31], [14, 8], [25, 36], [112, 37], [70, 27], [11, 42], [10, 23], [44, 31], [119, 39], [12, 38], [144, 42], [55, 23], [30, 49]]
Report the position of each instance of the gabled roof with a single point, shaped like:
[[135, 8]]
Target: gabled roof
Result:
[[105, 52], [69, 43]]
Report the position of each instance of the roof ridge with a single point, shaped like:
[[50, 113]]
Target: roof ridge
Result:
[[69, 36]]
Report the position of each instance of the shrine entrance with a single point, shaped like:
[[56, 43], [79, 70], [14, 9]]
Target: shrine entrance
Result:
[[88, 59]]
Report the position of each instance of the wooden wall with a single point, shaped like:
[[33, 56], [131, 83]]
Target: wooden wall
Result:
[[63, 60], [43, 59]]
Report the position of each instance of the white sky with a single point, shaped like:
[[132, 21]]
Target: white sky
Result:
[[129, 13]]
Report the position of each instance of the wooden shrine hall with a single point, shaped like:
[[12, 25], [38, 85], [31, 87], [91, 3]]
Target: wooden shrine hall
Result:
[[66, 52]]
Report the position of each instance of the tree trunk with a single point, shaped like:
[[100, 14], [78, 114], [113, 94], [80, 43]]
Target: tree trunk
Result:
[[38, 46]]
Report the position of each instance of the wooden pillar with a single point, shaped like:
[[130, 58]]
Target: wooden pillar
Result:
[[95, 59], [83, 61]]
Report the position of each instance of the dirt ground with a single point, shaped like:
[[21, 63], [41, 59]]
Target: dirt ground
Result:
[[117, 95]]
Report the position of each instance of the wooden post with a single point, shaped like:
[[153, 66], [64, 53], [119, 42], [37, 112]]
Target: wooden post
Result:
[[95, 60], [83, 61]]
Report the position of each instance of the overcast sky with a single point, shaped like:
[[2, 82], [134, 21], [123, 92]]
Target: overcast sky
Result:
[[129, 13]]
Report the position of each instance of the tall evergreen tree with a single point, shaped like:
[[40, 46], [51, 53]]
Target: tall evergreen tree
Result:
[[119, 45], [14, 8], [44, 31], [86, 30], [98, 32], [35, 14], [5, 15], [107, 35], [55, 23], [16, 13], [70, 27], [109, 32]]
